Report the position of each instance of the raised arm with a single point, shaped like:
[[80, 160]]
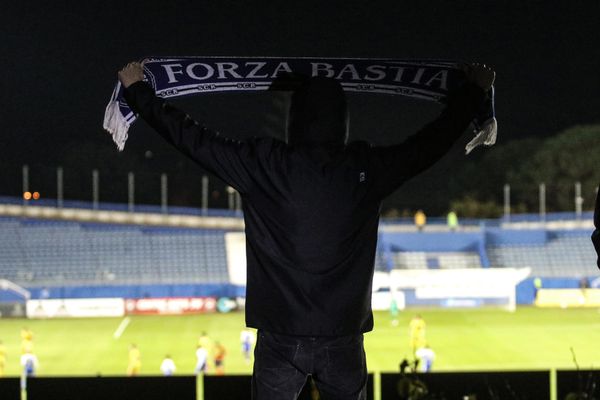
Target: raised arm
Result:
[[231, 160], [398, 163]]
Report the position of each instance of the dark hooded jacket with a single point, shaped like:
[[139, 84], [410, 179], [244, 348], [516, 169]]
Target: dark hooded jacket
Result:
[[311, 206]]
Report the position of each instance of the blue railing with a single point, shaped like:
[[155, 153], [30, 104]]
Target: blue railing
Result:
[[492, 222], [212, 212], [144, 208]]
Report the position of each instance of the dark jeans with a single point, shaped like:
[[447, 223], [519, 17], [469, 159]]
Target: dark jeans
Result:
[[283, 363]]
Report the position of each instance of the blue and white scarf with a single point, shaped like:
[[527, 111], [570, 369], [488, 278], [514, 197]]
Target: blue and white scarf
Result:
[[184, 76]]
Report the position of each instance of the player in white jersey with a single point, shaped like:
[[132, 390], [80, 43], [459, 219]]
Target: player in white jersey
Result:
[[426, 356], [201, 360], [30, 363], [167, 367], [247, 339]]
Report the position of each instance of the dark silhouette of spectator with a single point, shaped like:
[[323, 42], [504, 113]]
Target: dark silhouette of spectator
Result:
[[311, 208]]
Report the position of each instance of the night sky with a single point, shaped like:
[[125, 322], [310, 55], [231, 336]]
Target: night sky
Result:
[[59, 62]]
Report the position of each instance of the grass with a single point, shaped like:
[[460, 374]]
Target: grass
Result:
[[465, 340]]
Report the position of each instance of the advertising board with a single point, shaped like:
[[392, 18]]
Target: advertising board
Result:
[[75, 308], [171, 306]]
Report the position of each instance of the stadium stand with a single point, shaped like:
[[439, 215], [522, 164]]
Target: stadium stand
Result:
[[548, 252], [434, 260], [46, 252], [73, 251], [565, 253], [42, 252]]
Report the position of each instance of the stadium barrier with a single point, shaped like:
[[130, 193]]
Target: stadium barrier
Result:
[[75, 308], [381, 299], [468, 287], [10, 388], [229, 387], [121, 217], [118, 307], [467, 385], [567, 298], [393, 386], [237, 387], [108, 206], [391, 241], [138, 291], [12, 310], [582, 384], [111, 388], [525, 293], [171, 306]]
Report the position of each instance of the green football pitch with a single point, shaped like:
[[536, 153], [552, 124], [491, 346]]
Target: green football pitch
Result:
[[464, 340]]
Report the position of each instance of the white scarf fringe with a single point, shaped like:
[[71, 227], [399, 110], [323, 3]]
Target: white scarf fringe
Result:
[[486, 135], [115, 123]]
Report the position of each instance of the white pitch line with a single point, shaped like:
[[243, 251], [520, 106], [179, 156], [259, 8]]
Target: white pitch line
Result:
[[121, 328]]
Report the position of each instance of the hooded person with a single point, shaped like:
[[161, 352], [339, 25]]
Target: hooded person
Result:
[[318, 114], [311, 210]]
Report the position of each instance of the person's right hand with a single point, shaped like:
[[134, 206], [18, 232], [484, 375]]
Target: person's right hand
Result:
[[131, 73], [480, 74]]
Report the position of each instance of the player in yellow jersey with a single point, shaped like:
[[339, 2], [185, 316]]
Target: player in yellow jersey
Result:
[[2, 359], [417, 333], [204, 341], [26, 340], [135, 361]]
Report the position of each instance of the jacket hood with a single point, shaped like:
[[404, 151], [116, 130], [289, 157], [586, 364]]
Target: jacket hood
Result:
[[318, 113]]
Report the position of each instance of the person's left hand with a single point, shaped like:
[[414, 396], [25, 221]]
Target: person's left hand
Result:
[[131, 73], [480, 74]]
